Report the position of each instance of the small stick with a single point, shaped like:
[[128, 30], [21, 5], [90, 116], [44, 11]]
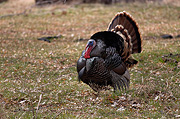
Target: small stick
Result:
[[40, 97]]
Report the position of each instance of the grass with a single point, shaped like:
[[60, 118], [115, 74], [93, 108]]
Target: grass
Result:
[[39, 79]]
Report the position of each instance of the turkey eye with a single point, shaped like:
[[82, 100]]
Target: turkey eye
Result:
[[90, 42]]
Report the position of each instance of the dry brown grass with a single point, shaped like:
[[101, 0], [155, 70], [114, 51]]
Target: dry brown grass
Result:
[[30, 68], [174, 2]]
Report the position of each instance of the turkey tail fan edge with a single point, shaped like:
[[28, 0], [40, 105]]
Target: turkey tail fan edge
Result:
[[124, 23]]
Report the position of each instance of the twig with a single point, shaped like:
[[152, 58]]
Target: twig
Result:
[[22, 13], [48, 39], [22, 115], [40, 97]]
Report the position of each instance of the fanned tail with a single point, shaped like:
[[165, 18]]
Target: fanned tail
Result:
[[126, 27]]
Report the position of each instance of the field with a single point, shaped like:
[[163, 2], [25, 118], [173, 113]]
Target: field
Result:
[[39, 79]]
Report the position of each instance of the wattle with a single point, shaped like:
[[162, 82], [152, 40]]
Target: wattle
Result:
[[87, 53]]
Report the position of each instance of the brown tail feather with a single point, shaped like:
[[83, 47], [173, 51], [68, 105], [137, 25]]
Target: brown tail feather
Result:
[[126, 25], [130, 62]]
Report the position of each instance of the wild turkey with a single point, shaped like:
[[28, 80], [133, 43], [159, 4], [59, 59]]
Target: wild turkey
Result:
[[107, 56]]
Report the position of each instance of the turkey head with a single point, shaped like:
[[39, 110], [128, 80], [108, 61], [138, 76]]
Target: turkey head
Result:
[[94, 48]]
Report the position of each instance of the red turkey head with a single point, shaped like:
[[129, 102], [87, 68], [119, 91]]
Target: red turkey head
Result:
[[90, 45]]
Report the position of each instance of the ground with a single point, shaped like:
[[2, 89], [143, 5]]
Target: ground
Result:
[[39, 79]]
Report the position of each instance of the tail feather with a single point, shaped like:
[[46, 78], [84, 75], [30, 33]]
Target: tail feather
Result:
[[126, 25], [130, 62]]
